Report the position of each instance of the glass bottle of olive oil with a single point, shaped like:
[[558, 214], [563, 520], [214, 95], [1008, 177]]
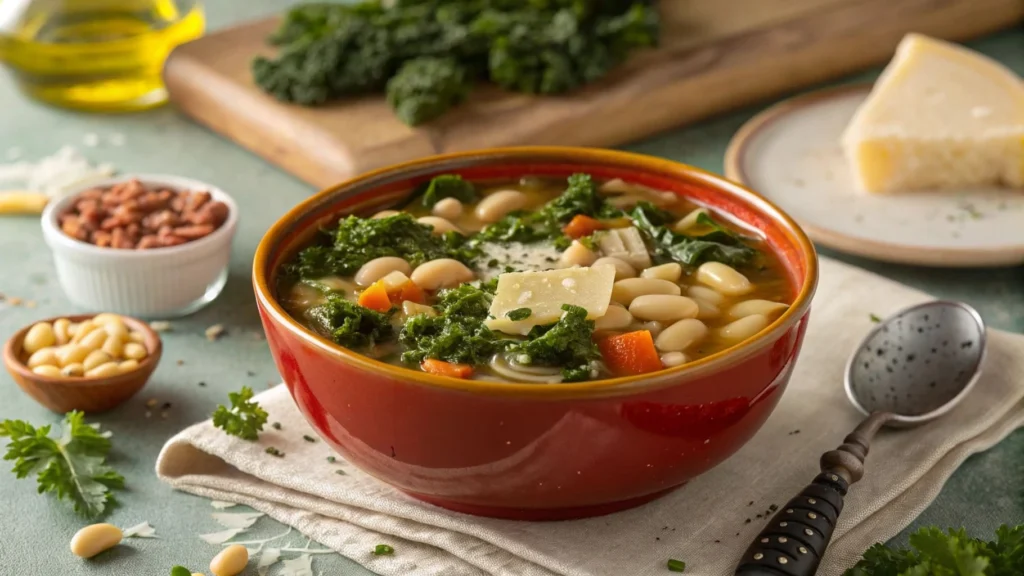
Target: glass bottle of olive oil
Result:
[[98, 55]]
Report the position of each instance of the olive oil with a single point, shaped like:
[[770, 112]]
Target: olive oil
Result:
[[99, 55]]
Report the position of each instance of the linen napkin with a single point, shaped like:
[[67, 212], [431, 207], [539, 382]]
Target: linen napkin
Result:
[[703, 523]]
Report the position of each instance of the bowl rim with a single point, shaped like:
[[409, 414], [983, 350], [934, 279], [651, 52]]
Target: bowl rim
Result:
[[148, 364], [53, 209], [594, 388]]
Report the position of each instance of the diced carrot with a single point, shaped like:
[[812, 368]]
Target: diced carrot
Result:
[[410, 291], [375, 297], [582, 225], [630, 353], [442, 368]]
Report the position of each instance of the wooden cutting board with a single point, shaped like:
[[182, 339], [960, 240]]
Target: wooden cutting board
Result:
[[715, 55]]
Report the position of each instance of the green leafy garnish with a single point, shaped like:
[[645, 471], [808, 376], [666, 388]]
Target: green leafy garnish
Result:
[[567, 343], [383, 550], [519, 314], [874, 318], [308, 438], [676, 565], [718, 245], [274, 452], [447, 186], [936, 553], [73, 466], [425, 88], [457, 334], [180, 571], [349, 324], [357, 240], [244, 419]]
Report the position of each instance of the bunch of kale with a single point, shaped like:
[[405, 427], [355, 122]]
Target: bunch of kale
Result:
[[426, 54]]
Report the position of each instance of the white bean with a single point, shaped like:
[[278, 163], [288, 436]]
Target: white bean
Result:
[[663, 307], [723, 278], [39, 336], [577, 255], [83, 330], [105, 370], [448, 208], [681, 335], [127, 366], [47, 370], [95, 358], [706, 310], [135, 351], [495, 206], [386, 213], [73, 371], [706, 294], [440, 225], [136, 337], [615, 318], [380, 267], [670, 359], [625, 291], [44, 357], [114, 346], [394, 281], [623, 269], [71, 354], [94, 340], [410, 308], [230, 561], [116, 328], [671, 272], [689, 221], [60, 330], [653, 326], [767, 308], [96, 538], [441, 273], [743, 328], [105, 318]]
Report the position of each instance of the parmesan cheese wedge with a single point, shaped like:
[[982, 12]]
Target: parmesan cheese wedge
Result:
[[544, 293], [939, 116]]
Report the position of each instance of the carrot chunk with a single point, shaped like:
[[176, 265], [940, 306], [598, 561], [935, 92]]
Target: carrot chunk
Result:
[[442, 368], [582, 225], [375, 297], [630, 353], [410, 291]]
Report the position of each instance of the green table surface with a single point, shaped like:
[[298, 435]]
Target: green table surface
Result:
[[983, 494]]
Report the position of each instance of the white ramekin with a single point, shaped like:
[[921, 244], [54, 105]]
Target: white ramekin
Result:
[[156, 283]]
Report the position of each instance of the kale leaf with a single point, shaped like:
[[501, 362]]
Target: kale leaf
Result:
[[519, 314], [936, 553], [348, 323], [425, 88], [447, 186], [566, 343], [357, 240], [719, 245], [457, 334]]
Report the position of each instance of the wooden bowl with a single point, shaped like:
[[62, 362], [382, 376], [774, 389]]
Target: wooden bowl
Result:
[[86, 394]]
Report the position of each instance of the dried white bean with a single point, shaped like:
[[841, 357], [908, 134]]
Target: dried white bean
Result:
[[114, 346], [94, 340], [105, 318], [135, 351], [689, 221], [386, 213], [60, 330], [73, 370], [706, 310], [71, 353], [410, 308], [95, 358], [670, 359], [47, 370], [380, 267], [44, 357], [625, 291], [681, 335], [671, 272], [723, 278], [116, 328], [39, 336], [83, 330], [448, 208], [105, 370], [440, 225], [767, 308], [623, 269], [706, 294], [577, 255], [136, 337], [615, 318], [230, 561], [127, 366], [495, 206], [663, 307], [441, 273], [743, 328], [96, 538]]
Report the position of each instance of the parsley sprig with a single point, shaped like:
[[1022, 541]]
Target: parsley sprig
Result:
[[72, 466], [244, 419], [936, 553]]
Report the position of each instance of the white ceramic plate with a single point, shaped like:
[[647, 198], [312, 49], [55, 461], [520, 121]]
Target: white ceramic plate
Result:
[[791, 154]]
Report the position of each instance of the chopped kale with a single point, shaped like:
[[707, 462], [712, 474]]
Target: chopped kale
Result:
[[425, 88], [567, 343], [348, 323], [718, 245], [457, 334], [519, 314], [446, 186]]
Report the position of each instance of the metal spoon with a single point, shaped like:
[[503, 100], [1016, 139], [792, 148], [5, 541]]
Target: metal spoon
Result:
[[911, 369]]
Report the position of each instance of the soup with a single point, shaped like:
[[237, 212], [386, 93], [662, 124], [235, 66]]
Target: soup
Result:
[[540, 280]]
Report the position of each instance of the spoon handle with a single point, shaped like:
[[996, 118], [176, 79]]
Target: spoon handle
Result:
[[795, 539]]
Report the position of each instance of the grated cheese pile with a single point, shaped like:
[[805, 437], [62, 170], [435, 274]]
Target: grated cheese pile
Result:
[[53, 175]]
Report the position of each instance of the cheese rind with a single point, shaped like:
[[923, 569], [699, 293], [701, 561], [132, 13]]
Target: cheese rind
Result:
[[545, 292], [939, 116]]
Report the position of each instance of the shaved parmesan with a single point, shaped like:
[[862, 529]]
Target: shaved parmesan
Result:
[[241, 520], [54, 175], [625, 244], [218, 504], [300, 566], [268, 558], [222, 536], [143, 530], [545, 292]]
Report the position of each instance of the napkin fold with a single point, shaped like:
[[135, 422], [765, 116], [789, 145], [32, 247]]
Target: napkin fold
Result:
[[704, 523]]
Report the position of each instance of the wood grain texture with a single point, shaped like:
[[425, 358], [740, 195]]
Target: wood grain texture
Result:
[[716, 55]]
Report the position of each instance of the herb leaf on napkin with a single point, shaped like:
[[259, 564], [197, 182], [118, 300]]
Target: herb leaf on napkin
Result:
[[244, 419], [936, 553]]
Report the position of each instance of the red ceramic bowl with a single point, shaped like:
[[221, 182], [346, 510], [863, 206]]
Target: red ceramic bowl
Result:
[[529, 451]]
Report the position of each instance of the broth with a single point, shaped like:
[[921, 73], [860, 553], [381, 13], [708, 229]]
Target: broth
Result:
[[393, 288]]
